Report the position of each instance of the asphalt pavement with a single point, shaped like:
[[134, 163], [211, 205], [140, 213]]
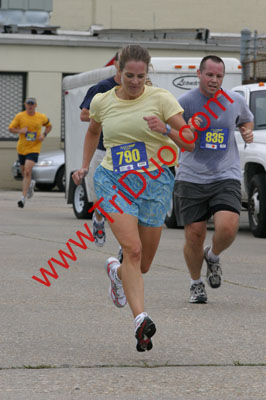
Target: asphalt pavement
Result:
[[68, 341]]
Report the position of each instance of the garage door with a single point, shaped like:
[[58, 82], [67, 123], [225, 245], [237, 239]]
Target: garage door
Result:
[[12, 94]]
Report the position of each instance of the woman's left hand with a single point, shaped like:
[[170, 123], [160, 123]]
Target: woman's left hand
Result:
[[155, 124], [79, 175]]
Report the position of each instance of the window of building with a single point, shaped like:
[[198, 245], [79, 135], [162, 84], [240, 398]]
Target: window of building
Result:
[[12, 95]]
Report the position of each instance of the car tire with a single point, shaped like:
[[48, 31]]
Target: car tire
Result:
[[257, 205], [60, 179], [81, 205]]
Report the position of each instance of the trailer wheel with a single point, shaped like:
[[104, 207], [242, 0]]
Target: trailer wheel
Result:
[[257, 205], [81, 205], [60, 179]]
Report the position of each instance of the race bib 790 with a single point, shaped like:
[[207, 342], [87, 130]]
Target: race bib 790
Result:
[[130, 156]]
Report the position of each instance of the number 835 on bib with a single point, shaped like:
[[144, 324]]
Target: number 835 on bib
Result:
[[214, 139]]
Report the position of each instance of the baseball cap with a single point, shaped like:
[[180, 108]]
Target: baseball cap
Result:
[[31, 100]]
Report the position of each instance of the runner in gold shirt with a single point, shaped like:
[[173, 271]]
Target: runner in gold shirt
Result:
[[28, 125]]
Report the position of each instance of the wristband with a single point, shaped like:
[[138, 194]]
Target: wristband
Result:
[[168, 130]]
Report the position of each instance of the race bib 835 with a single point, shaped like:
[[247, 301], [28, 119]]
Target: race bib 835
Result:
[[214, 139]]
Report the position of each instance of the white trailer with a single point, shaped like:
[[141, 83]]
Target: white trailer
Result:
[[75, 88], [176, 74]]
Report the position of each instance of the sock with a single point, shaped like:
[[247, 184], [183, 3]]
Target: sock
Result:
[[139, 318], [23, 199], [116, 276], [196, 282], [96, 220], [211, 256]]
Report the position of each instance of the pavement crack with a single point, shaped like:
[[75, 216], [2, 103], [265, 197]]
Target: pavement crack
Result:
[[245, 286], [31, 237], [224, 280], [235, 364]]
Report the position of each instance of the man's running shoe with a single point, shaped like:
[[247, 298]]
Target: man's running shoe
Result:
[[98, 232], [120, 255], [116, 290], [31, 189], [214, 271], [145, 329], [198, 293], [21, 202]]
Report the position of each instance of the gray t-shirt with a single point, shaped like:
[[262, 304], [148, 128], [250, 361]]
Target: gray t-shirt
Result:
[[216, 155]]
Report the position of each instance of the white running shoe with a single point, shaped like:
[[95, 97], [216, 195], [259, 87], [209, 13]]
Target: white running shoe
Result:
[[31, 189], [214, 276], [198, 293], [116, 290], [144, 329]]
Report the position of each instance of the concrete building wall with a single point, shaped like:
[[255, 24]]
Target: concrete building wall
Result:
[[216, 15], [73, 15]]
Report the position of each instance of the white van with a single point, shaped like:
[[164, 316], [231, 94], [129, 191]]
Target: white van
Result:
[[176, 74]]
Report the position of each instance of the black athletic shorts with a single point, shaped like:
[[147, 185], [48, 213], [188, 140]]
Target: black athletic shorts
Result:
[[31, 156], [198, 202]]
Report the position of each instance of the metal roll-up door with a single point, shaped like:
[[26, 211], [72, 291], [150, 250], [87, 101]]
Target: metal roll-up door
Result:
[[12, 95]]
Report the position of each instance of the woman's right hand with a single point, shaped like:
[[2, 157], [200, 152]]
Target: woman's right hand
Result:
[[79, 175]]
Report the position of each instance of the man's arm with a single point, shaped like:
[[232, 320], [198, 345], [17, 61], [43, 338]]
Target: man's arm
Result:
[[85, 115], [18, 130], [48, 126], [48, 129], [246, 130], [85, 105]]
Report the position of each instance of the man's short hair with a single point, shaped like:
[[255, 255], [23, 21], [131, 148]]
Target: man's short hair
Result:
[[215, 59]]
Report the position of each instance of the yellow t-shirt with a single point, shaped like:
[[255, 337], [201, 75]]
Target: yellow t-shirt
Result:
[[122, 122], [29, 143]]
